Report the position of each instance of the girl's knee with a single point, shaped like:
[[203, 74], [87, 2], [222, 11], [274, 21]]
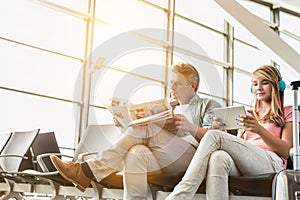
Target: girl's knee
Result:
[[213, 134], [220, 160], [219, 156]]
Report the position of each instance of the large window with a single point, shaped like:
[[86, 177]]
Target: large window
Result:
[[62, 60]]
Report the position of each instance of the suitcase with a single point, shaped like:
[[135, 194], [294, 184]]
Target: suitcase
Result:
[[286, 183]]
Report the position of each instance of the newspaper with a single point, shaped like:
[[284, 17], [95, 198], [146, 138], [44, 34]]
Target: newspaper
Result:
[[140, 114]]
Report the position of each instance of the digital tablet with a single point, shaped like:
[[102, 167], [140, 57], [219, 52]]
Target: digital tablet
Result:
[[228, 116]]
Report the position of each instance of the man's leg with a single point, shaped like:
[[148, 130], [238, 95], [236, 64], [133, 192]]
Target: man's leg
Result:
[[72, 171], [139, 161], [172, 152], [110, 160]]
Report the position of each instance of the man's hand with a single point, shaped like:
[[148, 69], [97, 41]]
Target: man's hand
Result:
[[181, 123]]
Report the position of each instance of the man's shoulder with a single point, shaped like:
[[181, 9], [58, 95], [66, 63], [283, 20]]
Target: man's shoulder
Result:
[[209, 102]]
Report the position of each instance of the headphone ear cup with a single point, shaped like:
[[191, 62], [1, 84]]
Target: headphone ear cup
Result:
[[282, 85], [251, 90]]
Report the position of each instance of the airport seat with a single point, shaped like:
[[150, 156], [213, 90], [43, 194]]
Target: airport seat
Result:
[[161, 185], [4, 137], [47, 181], [44, 143], [29, 180], [13, 159], [98, 138], [256, 185], [95, 139]]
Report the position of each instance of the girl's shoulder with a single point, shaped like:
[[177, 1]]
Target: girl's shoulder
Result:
[[288, 113]]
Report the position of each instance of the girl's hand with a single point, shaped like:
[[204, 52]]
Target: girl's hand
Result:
[[217, 123], [249, 122]]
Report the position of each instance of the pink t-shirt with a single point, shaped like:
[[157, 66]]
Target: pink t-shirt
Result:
[[275, 130]]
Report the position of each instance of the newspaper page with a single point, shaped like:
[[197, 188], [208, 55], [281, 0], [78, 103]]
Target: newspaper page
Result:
[[119, 109], [140, 114]]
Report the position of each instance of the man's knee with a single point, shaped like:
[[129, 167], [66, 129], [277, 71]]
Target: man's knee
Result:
[[139, 149], [138, 153], [138, 158]]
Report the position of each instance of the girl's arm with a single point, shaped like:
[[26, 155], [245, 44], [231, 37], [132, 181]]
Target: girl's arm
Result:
[[240, 133], [280, 146]]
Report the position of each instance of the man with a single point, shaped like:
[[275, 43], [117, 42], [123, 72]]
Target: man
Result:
[[139, 153]]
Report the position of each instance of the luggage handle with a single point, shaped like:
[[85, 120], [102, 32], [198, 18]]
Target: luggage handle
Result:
[[295, 85], [296, 158]]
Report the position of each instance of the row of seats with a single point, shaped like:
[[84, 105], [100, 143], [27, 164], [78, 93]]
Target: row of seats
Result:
[[25, 169]]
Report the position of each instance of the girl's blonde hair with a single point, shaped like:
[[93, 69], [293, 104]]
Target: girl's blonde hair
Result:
[[276, 113]]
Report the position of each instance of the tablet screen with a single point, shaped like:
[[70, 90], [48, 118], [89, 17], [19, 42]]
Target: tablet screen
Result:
[[228, 115]]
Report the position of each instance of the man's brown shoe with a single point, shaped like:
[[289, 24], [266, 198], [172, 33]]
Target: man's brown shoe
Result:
[[72, 172]]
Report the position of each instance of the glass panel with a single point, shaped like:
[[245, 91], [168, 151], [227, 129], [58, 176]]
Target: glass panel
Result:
[[211, 76], [256, 9], [161, 3], [36, 71], [288, 75], [261, 11], [287, 22], [129, 14], [241, 88], [289, 95], [78, 5], [204, 11], [27, 112], [103, 34], [40, 26], [110, 83], [249, 58], [116, 39], [295, 44], [100, 116], [134, 69], [243, 34], [210, 43]]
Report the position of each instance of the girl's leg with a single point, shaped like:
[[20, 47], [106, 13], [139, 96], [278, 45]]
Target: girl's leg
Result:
[[138, 163], [220, 166], [248, 158]]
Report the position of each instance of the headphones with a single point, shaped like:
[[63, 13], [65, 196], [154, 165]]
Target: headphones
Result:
[[281, 83]]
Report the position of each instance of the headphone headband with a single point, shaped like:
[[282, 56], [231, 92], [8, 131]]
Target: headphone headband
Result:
[[281, 83], [278, 73]]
